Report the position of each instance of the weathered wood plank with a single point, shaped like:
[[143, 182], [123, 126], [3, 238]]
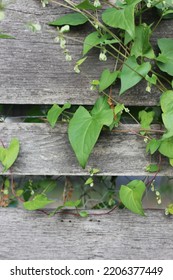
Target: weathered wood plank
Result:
[[120, 235], [33, 67], [46, 151]]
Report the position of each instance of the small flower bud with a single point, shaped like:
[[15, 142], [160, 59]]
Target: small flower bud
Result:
[[102, 56], [65, 28], [62, 43], [97, 3], [68, 57], [76, 69], [57, 39]]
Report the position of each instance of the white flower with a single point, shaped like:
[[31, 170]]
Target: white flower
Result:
[[102, 56], [68, 57], [126, 110], [157, 193], [159, 201], [148, 88], [76, 69], [62, 43], [97, 3], [57, 39], [65, 28]]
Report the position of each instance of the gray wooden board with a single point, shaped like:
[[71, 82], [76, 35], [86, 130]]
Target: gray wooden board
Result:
[[119, 235], [46, 151], [34, 70]]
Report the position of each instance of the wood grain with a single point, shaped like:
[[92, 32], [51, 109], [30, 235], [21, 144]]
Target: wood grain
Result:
[[120, 235], [46, 151], [33, 67]]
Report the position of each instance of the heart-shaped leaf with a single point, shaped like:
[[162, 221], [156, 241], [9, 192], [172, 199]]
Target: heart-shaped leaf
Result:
[[84, 128], [132, 73], [54, 113], [131, 196], [9, 155], [107, 79]]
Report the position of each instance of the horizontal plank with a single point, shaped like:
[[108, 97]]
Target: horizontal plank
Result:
[[34, 70], [46, 151], [119, 235]]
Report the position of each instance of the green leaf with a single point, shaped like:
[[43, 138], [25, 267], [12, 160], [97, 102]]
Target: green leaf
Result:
[[166, 147], [9, 155], [131, 196], [118, 108], [48, 185], [6, 36], [72, 19], [152, 80], [84, 128], [107, 79], [122, 18], [89, 181], [72, 203], [169, 209], [171, 161], [168, 121], [83, 214], [132, 73], [152, 168], [55, 112], [94, 171], [86, 5], [38, 202], [153, 146], [146, 118], [165, 59], [92, 40], [141, 45], [2, 154], [166, 101]]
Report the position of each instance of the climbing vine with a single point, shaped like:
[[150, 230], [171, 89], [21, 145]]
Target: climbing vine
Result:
[[119, 29]]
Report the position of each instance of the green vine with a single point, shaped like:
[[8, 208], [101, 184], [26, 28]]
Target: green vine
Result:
[[121, 31]]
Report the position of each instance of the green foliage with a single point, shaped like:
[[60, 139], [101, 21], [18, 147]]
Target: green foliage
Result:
[[165, 58], [75, 203], [141, 45], [6, 36], [121, 32], [152, 168], [9, 155], [122, 18], [131, 196], [153, 146], [73, 19], [107, 79], [169, 209], [94, 39], [83, 214], [146, 119], [166, 147], [54, 113], [84, 128], [38, 202], [86, 5], [132, 73]]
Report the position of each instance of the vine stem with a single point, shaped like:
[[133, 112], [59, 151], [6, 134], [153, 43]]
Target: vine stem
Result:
[[65, 212], [140, 130]]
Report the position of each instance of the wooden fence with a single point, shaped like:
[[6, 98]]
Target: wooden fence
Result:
[[33, 71]]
